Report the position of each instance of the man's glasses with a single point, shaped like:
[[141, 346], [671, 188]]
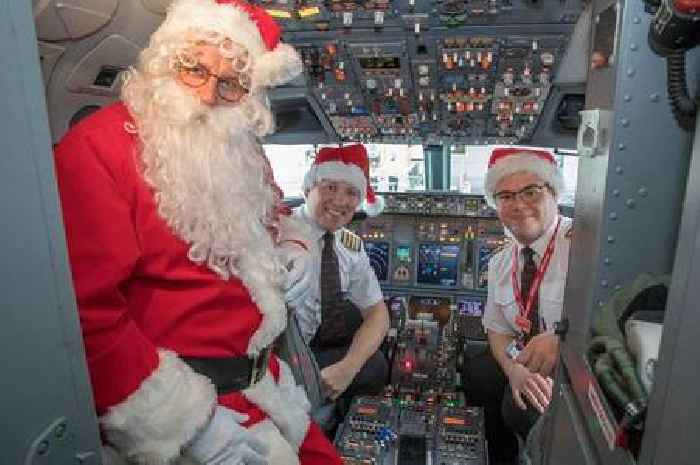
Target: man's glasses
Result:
[[529, 194], [231, 89]]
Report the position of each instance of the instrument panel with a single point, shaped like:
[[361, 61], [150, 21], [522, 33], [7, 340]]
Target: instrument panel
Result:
[[439, 241]]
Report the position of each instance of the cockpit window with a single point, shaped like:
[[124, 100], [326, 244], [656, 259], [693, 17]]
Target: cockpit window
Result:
[[394, 167], [468, 171], [401, 168]]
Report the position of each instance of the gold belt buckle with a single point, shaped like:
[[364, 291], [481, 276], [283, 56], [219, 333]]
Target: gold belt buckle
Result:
[[260, 363]]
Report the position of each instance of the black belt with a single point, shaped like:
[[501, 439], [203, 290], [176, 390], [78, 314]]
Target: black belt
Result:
[[233, 373]]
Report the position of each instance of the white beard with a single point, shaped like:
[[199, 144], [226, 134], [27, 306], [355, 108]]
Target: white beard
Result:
[[207, 169]]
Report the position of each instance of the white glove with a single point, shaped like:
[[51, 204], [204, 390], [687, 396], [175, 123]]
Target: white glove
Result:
[[225, 442], [300, 277]]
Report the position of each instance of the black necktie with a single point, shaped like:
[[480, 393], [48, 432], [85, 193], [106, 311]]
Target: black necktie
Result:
[[332, 328], [528, 275], [330, 274]]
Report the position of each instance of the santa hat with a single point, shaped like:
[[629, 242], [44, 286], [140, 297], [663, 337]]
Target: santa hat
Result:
[[274, 63], [506, 161], [349, 164]]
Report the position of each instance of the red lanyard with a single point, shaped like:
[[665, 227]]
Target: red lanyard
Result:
[[522, 319]]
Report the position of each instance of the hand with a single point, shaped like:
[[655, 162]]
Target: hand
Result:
[[299, 279], [536, 388], [540, 354], [336, 378], [225, 442]]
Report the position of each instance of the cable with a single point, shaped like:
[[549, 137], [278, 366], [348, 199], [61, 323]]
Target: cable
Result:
[[684, 108]]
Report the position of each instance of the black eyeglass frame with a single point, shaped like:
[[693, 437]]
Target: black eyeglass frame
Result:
[[511, 196]]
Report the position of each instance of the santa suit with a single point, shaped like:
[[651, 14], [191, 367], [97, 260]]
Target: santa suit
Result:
[[143, 303]]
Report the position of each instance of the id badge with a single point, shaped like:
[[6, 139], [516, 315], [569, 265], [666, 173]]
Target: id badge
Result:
[[513, 349]]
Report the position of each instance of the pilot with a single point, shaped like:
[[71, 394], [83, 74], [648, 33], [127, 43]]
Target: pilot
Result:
[[172, 224], [344, 320], [526, 279]]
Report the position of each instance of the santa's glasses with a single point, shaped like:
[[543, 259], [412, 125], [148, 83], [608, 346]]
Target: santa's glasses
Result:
[[231, 89]]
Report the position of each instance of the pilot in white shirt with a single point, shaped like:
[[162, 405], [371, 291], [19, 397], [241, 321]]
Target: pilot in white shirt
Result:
[[338, 301], [357, 279], [501, 307], [526, 279]]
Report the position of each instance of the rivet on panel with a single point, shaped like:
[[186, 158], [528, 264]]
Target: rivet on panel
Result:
[[630, 203], [627, 97], [643, 192], [621, 146], [616, 192], [634, 47], [613, 216], [604, 283], [607, 261], [618, 169], [601, 303], [611, 239], [625, 122], [617, 287], [630, 72], [636, 20], [654, 97]]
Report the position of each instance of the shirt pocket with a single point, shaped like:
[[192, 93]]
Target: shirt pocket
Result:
[[505, 300], [551, 304]]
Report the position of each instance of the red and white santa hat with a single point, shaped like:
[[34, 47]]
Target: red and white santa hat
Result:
[[505, 161], [274, 63], [349, 164]]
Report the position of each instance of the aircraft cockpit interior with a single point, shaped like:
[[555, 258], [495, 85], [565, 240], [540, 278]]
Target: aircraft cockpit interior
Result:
[[608, 88]]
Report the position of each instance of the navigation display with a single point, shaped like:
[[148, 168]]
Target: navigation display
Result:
[[470, 306], [438, 264], [378, 253]]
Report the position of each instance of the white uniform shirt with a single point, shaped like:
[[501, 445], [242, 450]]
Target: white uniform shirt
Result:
[[358, 283], [501, 307]]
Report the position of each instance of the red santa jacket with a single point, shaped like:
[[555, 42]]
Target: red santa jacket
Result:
[[138, 293]]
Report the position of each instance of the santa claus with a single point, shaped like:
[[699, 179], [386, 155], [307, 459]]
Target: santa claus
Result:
[[173, 229]]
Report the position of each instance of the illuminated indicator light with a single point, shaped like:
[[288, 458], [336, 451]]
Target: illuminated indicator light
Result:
[[309, 11], [347, 18], [279, 13]]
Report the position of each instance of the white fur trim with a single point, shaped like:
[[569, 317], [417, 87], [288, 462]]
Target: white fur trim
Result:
[[285, 403], [336, 171], [277, 66], [208, 16], [522, 161], [374, 209], [169, 408], [269, 299], [281, 452]]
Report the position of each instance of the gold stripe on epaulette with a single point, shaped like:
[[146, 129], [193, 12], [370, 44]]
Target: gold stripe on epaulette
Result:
[[350, 240]]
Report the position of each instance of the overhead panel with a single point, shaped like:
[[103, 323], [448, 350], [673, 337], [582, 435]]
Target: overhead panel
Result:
[[431, 72]]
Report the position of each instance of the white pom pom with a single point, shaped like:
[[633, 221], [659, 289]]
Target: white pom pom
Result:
[[374, 209]]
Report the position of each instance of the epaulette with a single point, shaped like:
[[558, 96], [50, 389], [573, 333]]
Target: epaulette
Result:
[[350, 240]]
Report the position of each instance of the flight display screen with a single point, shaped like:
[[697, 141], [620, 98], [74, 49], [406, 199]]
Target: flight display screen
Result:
[[378, 253], [438, 264], [470, 306], [403, 253]]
